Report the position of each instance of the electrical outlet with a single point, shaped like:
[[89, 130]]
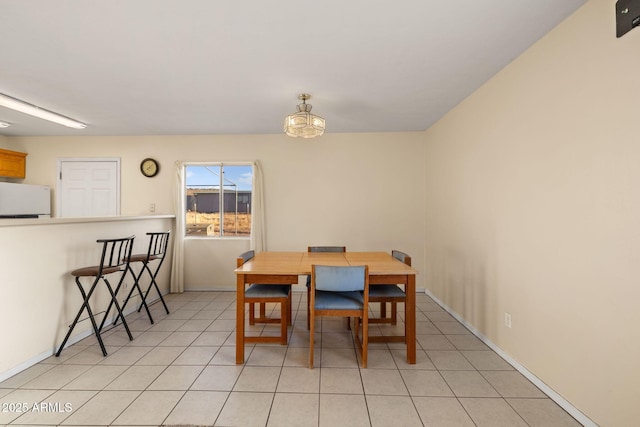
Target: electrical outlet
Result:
[[507, 319], [125, 286], [152, 207]]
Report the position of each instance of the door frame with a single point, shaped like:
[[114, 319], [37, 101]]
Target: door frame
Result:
[[86, 159]]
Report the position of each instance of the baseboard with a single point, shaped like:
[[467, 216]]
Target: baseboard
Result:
[[553, 395]]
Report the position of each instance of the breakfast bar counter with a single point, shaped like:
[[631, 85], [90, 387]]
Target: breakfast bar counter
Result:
[[38, 298]]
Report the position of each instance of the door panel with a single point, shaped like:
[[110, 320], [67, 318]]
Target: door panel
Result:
[[89, 188]]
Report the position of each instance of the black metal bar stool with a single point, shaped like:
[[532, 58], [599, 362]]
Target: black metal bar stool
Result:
[[115, 257], [158, 243]]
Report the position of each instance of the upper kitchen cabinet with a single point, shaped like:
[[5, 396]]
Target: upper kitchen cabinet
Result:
[[12, 164]]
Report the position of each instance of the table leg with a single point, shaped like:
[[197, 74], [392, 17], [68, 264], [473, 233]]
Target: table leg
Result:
[[410, 318], [239, 319]]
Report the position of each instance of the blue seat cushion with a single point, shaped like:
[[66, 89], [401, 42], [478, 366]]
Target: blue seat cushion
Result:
[[388, 291], [267, 291], [339, 300]]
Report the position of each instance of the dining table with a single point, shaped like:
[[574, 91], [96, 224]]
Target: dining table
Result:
[[285, 268]]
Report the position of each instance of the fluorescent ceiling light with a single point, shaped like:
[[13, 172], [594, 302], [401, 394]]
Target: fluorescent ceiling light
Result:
[[4, 124], [24, 107]]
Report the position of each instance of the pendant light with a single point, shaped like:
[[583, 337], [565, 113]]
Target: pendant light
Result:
[[304, 124]]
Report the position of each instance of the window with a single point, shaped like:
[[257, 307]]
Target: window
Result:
[[218, 199]]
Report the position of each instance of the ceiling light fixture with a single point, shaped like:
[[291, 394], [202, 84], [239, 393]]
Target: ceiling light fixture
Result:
[[33, 110], [303, 123], [4, 124]]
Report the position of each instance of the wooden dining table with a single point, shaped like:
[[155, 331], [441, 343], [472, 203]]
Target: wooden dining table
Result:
[[284, 268]]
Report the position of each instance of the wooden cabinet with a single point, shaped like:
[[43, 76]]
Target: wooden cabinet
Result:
[[12, 164]]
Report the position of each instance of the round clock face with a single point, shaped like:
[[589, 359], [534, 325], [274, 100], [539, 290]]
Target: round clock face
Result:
[[149, 167]]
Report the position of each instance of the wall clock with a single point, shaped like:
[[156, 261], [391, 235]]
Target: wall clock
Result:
[[149, 167]]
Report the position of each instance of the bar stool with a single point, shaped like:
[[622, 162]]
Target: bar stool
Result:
[[156, 251], [115, 257]]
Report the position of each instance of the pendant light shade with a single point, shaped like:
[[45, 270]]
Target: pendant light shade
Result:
[[304, 124]]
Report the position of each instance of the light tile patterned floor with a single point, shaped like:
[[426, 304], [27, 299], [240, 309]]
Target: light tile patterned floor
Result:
[[182, 371]]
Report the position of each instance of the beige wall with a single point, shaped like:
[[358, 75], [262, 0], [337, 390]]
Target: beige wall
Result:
[[361, 190], [533, 208]]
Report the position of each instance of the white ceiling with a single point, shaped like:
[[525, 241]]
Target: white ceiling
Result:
[[166, 67]]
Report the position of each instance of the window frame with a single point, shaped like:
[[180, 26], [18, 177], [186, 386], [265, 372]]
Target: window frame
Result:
[[221, 165]]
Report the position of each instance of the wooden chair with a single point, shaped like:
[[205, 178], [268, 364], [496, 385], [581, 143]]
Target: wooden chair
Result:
[[320, 249], [341, 291], [262, 294], [115, 257], [392, 294]]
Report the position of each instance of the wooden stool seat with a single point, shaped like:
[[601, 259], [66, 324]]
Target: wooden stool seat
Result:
[[93, 271], [143, 257]]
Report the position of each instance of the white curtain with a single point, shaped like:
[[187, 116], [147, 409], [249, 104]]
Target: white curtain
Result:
[[258, 231], [177, 270]]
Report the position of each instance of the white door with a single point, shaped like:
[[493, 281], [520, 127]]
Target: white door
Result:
[[88, 187]]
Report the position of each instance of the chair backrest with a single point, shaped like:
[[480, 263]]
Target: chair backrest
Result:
[[401, 256], [244, 257], [158, 244], [335, 278], [115, 252], [326, 249]]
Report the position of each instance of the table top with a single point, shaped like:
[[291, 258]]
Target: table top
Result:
[[380, 263]]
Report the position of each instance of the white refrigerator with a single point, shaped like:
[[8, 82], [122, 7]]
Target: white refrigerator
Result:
[[24, 200]]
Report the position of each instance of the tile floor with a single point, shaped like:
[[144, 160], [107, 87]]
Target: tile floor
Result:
[[182, 371]]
